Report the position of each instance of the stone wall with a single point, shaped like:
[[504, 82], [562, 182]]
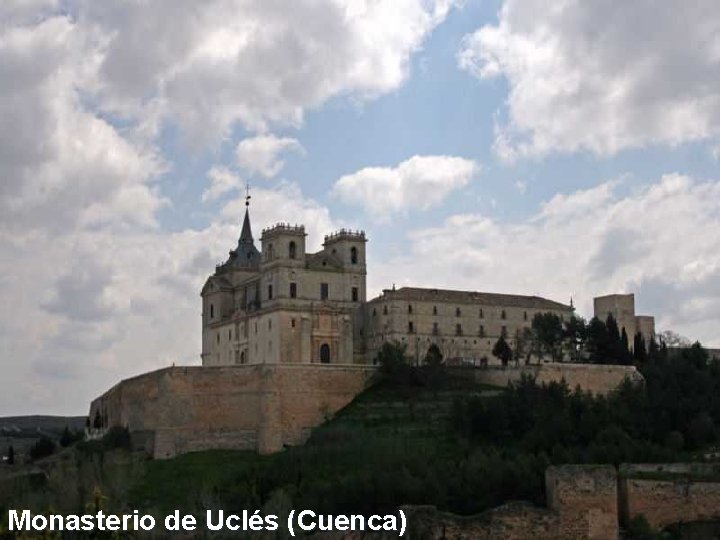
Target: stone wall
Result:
[[598, 379], [670, 493], [257, 407]]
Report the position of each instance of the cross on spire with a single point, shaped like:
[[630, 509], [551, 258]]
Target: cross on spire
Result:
[[247, 194]]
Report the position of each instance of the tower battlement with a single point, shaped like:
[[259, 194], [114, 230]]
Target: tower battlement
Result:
[[283, 228], [345, 234]]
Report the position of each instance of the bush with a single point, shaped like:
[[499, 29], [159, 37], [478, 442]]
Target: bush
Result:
[[42, 448]]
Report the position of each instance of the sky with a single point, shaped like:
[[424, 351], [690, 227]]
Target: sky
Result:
[[563, 149]]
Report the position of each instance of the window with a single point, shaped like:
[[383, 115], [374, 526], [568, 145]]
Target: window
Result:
[[270, 252], [212, 311], [457, 312], [411, 328], [323, 291], [374, 312], [355, 294], [269, 324], [229, 335], [293, 290], [525, 315], [458, 329], [482, 315], [481, 331], [353, 255], [384, 310], [217, 338], [503, 315], [325, 353], [242, 357], [269, 292], [292, 250], [503, 331], [292, 323], [410, 309], [434, 310], [435, 329]]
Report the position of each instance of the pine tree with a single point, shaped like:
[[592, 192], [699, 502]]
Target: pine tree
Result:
[[502, 351], [11, 455]]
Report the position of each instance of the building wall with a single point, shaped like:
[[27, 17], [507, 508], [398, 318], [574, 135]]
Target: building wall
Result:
[[253, 407], [622, 308], [481, 325]]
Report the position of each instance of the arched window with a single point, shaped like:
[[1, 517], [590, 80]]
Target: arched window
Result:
[[457, 312], [353, 255], [325, 353], [270, 252], [410, 308], [503, 315], [212, 311], [242, 357], [292, 249]]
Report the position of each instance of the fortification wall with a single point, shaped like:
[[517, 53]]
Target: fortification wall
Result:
[[598, 379], [670, 493], [256, 407]]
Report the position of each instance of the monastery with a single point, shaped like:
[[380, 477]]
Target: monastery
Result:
[[289, 338]]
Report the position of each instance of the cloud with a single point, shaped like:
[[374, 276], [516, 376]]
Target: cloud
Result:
[[261, 154], [222, 181], [208, 66], [61, 165], [661, 242], [601, 77], [417, 183]]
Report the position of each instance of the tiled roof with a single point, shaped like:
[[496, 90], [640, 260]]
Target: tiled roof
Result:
[[418, 294]]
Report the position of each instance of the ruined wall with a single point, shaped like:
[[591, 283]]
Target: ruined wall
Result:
[[257, 407], [670, 493], [585, 499], [598, 379]]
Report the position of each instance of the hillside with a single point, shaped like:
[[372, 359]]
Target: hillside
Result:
[[22, 432]]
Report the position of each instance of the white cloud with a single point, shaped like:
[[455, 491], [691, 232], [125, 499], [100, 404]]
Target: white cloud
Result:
[[419, 182], [599, 76], [207, 66], [222, 181], [661, 242], [261, 154]]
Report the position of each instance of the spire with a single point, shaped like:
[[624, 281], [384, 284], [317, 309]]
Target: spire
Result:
[[246, 236]]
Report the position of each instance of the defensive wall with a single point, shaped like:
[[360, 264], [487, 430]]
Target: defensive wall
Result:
[[587, 502], [670, 493], [595, 378], [261, 407], [265, 407]]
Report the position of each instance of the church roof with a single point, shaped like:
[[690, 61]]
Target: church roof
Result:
[[419, 294], [246, 255]]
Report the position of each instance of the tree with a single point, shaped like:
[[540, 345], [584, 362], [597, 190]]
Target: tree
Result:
[[11, 455], [673, 339], [549, 333], [575, 336], [68, 437], [433, 357], [502, 351], [639, 349], [393, 363], [42, 448]]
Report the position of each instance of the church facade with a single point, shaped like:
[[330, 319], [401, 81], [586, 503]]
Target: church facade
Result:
[[283, 305]]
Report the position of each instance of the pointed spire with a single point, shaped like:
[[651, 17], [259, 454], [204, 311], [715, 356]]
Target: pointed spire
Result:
[[246, 236]]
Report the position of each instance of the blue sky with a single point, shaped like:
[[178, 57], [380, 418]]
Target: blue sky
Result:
[[506, 146]]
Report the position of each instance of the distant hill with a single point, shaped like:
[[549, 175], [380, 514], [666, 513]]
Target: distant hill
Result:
[[21, 432], [40, 423]]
